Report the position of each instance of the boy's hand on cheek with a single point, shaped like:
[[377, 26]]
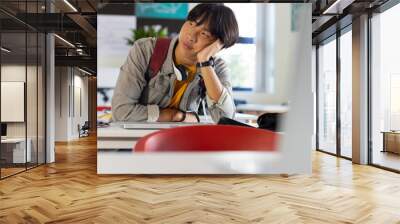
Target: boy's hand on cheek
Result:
[[209, 51]]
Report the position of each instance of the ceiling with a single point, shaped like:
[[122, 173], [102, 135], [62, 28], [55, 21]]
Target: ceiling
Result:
[[332, 15], [76, 22]]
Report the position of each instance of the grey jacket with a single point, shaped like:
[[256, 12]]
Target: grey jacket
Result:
[[134, 100]]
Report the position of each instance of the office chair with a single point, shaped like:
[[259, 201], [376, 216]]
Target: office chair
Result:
[[207, 138], [84, 130]]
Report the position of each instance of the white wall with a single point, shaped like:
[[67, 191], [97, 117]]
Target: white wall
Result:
[[71, 94], [62, 81], [33, 126], [314, 89], [80, 108], [14, 73]]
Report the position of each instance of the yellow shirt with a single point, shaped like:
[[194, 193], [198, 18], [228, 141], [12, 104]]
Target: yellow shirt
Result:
[[181, 86]]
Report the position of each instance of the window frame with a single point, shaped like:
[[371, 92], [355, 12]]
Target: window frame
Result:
[[334, 37], [379, 10], [252, 41]]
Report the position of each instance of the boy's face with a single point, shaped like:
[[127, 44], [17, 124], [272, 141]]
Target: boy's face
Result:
[[193, 38]]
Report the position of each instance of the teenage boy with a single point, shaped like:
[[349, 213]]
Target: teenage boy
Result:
[[189, 73]]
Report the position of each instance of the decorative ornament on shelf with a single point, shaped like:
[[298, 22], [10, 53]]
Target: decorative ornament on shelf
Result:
[[147, 31]]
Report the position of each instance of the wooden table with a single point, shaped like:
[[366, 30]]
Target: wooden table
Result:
[[391, 141]]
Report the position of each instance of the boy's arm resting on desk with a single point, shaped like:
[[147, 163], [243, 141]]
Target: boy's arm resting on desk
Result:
[[170, 114], [131, 82], [192, 117], [225, 106]]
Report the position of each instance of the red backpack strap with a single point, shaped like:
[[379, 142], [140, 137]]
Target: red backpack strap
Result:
[[158, 57]]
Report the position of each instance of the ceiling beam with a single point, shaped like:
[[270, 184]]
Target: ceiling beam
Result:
[[84, 24], [77, 61], [337, 7]]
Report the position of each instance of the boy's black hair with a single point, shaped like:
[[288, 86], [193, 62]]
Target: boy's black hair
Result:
[[220, 19]]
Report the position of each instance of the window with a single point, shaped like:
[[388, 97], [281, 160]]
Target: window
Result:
[[22, 75], [334, 138], [241, 57], [385, 89], [327, 96], [346, 94]]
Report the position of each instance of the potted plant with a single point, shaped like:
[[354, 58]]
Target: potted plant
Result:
[[147, 31]]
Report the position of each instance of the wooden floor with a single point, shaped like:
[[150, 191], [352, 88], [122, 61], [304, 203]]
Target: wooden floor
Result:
[[70, 191], [387, 159], [10, 171]]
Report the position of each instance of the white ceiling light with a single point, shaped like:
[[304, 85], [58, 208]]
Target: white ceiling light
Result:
[[79, 51], [86, 72], [337, 7], [70, 5], [65, 41], [5, 50]]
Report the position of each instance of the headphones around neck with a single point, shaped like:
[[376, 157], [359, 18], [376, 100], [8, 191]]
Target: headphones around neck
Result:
[[180, 72]]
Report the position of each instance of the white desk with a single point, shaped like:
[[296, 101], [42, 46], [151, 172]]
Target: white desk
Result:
[[245, 117], [241, 117], [115, 156], [266, 108], [18, 149], [245, 162], [116, 137], [249, 119]]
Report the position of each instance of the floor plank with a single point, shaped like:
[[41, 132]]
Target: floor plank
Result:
[[70, 191], [386, 159]]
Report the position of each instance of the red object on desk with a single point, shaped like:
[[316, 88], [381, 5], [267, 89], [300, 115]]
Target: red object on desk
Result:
[[206, 138], [102, 108]]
